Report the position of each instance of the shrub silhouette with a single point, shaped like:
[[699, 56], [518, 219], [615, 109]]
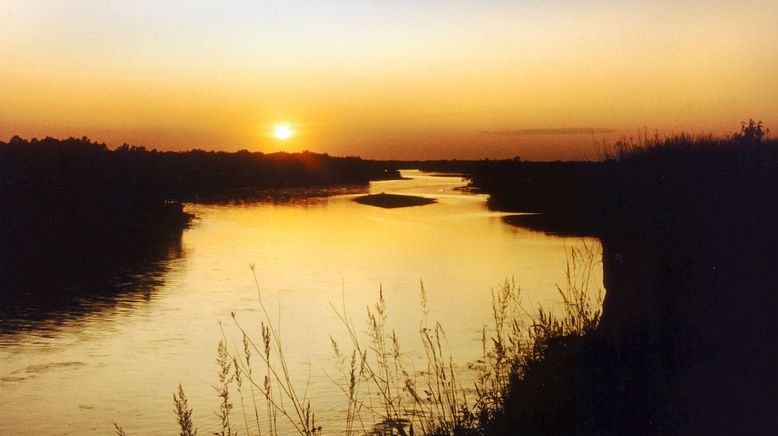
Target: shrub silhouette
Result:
[[751, 132]]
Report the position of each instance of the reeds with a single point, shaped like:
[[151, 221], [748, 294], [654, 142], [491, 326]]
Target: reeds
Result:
[[582, 305], [183, 413], [274, 385], [433, 401], [384, 392], [226, 376], [643, 143]]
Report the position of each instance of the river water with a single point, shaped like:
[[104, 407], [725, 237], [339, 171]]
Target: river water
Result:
[[119, 358]]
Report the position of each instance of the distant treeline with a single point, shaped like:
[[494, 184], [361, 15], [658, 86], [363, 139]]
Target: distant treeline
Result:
[[178, 175], [688, 342], [74, 201]]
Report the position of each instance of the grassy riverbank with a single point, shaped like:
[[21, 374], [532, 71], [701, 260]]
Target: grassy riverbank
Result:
[[687, 342]]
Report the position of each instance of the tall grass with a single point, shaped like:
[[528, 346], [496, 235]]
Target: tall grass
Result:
[[582, 305], [275, 386], [644, 144], [383, 391], [183, 413]]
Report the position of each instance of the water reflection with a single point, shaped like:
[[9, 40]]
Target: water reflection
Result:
[[45, 300]]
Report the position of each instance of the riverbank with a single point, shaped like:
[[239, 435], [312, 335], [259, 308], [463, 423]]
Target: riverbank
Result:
[[687, 342], [77, 210]]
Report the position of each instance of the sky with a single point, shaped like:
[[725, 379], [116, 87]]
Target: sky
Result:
[[386, 79]]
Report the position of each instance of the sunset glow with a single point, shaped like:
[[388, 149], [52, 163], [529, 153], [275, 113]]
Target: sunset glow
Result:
[[386, 80], [480, 217]]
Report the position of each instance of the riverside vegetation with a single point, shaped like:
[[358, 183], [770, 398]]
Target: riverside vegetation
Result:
[[688, 342], [382, 391]]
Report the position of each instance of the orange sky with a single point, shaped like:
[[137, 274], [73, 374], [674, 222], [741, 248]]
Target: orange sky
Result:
[[385, 79]]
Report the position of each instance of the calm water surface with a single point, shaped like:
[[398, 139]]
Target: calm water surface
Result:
[[119, 358]]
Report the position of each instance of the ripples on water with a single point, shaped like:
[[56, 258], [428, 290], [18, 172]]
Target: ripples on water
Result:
[[116, 350]]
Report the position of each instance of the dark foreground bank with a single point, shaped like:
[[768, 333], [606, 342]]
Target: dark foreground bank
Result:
[[688, 342]]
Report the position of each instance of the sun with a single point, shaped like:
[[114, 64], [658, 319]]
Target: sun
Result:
[[282, 131]]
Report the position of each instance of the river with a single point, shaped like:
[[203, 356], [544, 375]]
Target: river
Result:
[[99, 360]]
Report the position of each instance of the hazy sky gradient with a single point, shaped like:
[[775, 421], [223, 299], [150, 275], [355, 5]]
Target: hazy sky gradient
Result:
[[385, 79]]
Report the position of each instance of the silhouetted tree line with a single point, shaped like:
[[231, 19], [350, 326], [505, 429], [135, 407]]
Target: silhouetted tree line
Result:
[[74, 204], [197, 173], [689, 339]]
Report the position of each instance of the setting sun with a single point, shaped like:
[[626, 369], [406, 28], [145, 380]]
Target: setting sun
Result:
[[282, 131]]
